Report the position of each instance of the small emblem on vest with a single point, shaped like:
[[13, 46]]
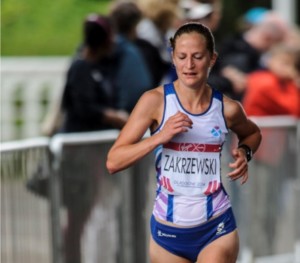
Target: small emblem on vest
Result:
[[216, 131]]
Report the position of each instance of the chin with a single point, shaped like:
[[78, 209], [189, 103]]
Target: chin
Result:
[[190, 81]]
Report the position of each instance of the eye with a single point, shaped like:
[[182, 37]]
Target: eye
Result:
[[198, 56], [181, 56]]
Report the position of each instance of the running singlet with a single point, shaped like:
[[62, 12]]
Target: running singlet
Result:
[[189, 188]]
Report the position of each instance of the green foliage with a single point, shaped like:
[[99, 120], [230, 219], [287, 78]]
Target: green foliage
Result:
[[32, 27]]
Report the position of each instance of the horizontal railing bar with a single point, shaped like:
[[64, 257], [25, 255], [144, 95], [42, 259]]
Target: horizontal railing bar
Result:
[[82, 138], [280, 121], [24, 144], [27, 65]]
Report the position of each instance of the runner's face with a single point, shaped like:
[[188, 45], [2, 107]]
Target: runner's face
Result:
[[192, 59]]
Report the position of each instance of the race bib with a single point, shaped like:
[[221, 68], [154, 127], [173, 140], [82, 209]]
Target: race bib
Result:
[[190, 169]]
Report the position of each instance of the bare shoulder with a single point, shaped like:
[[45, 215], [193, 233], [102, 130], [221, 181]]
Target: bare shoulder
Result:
[[151, 101], [144, 115], [154, 96], [230, 105], [233, 111]]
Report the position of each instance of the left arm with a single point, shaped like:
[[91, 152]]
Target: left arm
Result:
[[247, 132]]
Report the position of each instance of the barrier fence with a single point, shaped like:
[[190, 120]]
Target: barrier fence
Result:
[[90, 216], [25, 221], [30, 89]]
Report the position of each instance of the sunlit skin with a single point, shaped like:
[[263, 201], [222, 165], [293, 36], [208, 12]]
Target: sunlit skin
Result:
[[192, 61], [283, 66]]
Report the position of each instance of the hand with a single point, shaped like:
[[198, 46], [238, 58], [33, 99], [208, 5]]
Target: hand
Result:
[[236, 77], [239, 166], [116, 118], [176, 124]]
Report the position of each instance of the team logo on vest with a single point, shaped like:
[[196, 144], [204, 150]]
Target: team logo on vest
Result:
[[216, 131]]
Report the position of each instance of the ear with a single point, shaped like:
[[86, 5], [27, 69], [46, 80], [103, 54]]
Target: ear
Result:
[[173, 60], [213, 59], [212, 62]]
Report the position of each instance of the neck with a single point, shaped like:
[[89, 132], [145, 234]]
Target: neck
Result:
[[193, 99], [91, 55]]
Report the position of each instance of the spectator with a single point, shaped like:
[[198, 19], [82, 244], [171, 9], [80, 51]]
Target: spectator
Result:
[[153, 30], [241, 54], [88, 106], [252, 17], [293, 37], [207, 12], [131, 77], [270, 92], [88, 95], [274, 91]]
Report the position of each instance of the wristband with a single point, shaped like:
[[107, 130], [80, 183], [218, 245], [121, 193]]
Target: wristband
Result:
[[248, 151]]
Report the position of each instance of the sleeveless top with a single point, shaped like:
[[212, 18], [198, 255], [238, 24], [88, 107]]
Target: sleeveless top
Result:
[[189, 188]]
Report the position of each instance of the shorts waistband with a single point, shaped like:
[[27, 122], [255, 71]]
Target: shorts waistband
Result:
[[208, 224]]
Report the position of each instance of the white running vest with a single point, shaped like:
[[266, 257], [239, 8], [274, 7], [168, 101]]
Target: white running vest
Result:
[[189, 187]]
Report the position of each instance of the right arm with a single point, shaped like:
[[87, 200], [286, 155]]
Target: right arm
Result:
[[129, 148]]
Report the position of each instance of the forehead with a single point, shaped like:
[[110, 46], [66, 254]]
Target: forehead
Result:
[[191, 40], [286, 56]]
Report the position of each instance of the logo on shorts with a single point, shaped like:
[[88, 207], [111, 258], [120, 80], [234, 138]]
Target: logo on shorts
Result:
[[162, 234], [220, 229]]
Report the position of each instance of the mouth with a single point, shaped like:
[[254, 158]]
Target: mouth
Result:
[[190, 74]]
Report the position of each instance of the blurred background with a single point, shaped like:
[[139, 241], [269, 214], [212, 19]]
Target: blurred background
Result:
[[59, 204], [43, 39], [29, 29]]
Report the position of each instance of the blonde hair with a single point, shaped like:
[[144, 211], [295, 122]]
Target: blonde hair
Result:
[[160, 13]]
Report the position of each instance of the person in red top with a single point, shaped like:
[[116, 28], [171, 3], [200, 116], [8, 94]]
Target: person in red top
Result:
[[276, 90]]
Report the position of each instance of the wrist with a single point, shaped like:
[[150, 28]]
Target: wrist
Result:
[[247, 150]]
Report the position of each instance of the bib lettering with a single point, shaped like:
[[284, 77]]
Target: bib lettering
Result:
[[190, 171]]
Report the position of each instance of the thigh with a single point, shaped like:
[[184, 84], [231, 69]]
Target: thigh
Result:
[[222, 250], [160, 255]]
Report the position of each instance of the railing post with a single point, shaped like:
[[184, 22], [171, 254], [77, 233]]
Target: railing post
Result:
[[127, 220], [247, 256], [297, 197], [55, 203], [298, 150]]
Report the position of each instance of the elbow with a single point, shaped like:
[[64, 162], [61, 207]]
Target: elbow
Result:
[[259, 138], [258, 135], [112, 163], [111, 167]]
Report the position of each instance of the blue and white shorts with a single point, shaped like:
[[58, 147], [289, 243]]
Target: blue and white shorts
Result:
[[188, 242]]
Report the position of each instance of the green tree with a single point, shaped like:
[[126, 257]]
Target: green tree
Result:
[[32, 28]]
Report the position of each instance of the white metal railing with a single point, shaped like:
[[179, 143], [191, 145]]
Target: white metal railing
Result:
[[30, 86], [81, 150], [26, 83]]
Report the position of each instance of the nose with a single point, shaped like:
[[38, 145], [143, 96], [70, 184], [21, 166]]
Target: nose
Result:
[[190, 62]]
